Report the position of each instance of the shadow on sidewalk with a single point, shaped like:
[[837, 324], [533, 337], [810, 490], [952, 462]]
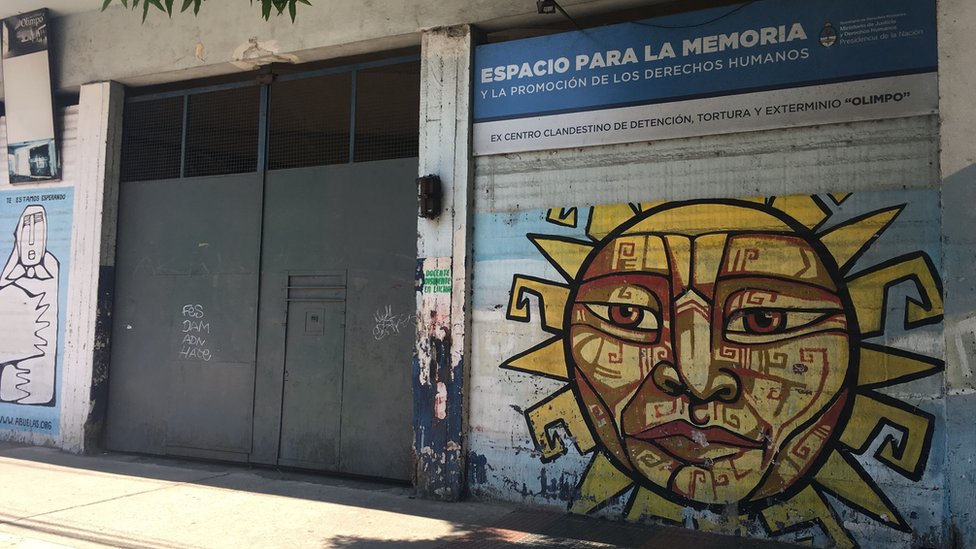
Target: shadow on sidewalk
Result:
[[395, 497], [475, 525]]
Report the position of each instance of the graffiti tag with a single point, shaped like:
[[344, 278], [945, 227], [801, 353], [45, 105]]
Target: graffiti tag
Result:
[[389, 324]]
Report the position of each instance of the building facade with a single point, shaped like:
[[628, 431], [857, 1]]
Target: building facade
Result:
[[738, 305]]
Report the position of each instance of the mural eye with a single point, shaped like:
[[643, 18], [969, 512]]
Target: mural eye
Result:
[[631, 317], [764, 321], [626, 316], [767, 322]]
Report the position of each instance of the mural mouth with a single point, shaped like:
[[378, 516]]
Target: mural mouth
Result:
[[692, 445]]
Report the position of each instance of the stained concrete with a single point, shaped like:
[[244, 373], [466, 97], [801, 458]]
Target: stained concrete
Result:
[[49, 499]]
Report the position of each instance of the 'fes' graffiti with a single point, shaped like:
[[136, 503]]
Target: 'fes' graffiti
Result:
[[29, 306], [715, 356]]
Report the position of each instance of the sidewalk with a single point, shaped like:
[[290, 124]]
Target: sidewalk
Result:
[[51, 500]]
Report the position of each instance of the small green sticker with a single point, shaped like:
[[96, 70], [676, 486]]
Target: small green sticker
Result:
[[437, 281]]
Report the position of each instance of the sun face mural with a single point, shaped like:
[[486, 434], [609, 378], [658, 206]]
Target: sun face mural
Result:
[[715, 356]]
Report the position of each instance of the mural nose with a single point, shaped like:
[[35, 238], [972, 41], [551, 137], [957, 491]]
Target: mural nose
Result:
[[695, 371], [723, 385]]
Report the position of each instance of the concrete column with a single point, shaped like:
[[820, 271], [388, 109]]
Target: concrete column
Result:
[[444, 264], [91, 282], [957, 80]]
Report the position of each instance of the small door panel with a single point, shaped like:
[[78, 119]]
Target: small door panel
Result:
[[312, 382]]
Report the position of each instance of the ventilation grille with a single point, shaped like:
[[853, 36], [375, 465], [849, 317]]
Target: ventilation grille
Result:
[[309, 122], [222, 132], [387, 112], [323, 286], [153, 133]]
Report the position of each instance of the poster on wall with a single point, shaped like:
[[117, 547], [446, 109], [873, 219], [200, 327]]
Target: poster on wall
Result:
[[35, 241], [32, 152], [759, 65], [764, 366]]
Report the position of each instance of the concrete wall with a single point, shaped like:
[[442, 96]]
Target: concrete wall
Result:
[[537, 415], [533, 435], [528, 442], [957, 25], [228, 37], [443, 265], [67, 329], [33, 308]]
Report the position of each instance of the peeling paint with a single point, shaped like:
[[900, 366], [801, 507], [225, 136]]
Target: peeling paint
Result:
[[256, 53], [437, 389]]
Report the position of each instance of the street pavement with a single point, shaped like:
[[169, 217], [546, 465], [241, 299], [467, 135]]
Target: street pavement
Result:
[[53, 500]]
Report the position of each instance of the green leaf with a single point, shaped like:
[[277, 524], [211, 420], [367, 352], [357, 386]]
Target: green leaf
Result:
[[167, 6]]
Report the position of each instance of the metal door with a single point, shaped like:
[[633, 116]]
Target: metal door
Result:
[[187, 263], [357, 219], [182, 378], [264, 306], [312, 382]]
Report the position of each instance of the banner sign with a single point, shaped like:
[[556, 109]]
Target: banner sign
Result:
[[31, 146], [35, 246], [758, 65]]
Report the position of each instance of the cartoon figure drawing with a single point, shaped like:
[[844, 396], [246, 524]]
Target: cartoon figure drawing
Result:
[[29, 314], [715, 355]]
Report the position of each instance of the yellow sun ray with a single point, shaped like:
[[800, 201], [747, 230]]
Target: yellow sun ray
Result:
[[807, 507], [601, 482], [565, 254], [729, 526], [552, 301], [604, 219], [870, 414], [808, 210], [846, 480], [869, 292], [883, 366], [559, 410], [839, 198], [647, 504], [567, 217], [547, 359], [848, 241]]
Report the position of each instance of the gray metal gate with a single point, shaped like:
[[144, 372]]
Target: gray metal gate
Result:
[[267, 315]]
